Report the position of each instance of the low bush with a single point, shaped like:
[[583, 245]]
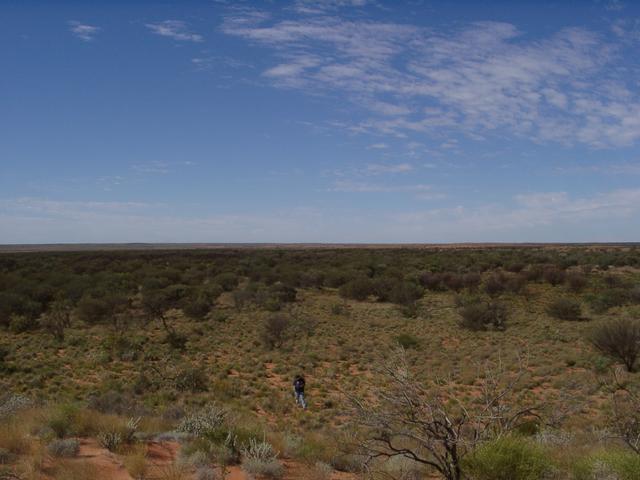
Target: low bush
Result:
[[620, 339], [68, 447], [22, 323], [204, 422], [191, 380], [357, 289], [553, 275], [206, 473], [576, 281], [606, 299], [508, 458], [260, 459], [406, 341], [613, 464], [565, 309], [480, 315], [274, 330], [495, 284]]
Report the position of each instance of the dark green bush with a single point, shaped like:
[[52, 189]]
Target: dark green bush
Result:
[[576, 281], [480, 315], [191, 380], [508, 458], [228, 281], [495, 284], [553, 275], [357, 289], [606, 299], [22, 323], [565, 309], [406, 341], [274, 330], [620, 339]]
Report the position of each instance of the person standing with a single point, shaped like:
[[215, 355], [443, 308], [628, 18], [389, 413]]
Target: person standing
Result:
[[298, 390]]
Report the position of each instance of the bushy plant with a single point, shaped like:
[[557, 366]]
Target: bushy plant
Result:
[[576, 281], [274, 330], [191, 380], [259, 458], [406, 341], [565, 309], [22, 323], [204, 422], [619, 338], [357, 289], [12, 404], [495, 284], [68, 447], [508, 458], [480, 315], [609, 298], [553, 275], [206, 473]]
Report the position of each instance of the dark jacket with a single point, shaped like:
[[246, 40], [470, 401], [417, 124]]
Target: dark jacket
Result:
[[298, 385]]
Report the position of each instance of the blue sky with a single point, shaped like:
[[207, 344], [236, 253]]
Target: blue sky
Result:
[[319, 121]]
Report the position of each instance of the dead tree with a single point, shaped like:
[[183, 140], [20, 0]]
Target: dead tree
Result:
[[428, 425], [625, 416]]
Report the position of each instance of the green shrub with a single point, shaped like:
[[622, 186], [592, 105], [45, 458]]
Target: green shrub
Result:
[[204, 422], [64, 447], [614, 464], [406, 341], [479, 315], [357, 289], [576, 281], [260, 459], [228, 281], [603, 301], [191, 380], [565, 309], [274, 330], [61, 420], [22, 323], [508, 458], [619, 338]]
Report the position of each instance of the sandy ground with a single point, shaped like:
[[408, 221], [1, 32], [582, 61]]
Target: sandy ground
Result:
[[160, 457]]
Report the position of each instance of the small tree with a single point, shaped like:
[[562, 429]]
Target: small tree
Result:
[[565, 309], [620, 339], [479, 315], [57, 319], [429, 426], [274, 330], [624, 419]]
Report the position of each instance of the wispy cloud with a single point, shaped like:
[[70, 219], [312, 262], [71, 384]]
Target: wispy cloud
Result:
[[175, 29], [476, 80], [83, 31], [377, 169], [364, 187], [324, 6], [32, 220]]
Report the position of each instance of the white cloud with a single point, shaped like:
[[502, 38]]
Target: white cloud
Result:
[[176, 29], [567, 88], [365, 187], [323, 6], [539, 216], [377, 169], [83, 31], [379, 146]]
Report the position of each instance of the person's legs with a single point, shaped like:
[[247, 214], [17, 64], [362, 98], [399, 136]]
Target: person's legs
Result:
[[300, 400]]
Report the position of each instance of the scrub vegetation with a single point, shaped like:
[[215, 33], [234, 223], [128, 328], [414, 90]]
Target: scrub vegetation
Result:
[[500, 362]]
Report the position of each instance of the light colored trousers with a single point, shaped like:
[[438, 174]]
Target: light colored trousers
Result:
[[300, 399]]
